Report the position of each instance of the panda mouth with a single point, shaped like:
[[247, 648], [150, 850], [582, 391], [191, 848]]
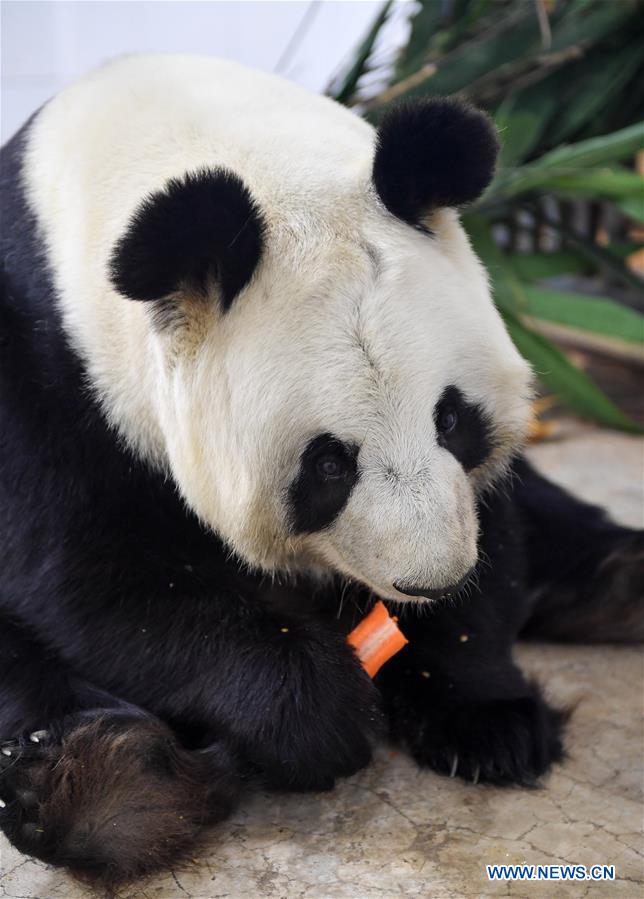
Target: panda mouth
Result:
[[396, 591], [426, 592]]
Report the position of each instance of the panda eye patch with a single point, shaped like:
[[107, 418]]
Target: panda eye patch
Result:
[[463, 428], [328, 472]]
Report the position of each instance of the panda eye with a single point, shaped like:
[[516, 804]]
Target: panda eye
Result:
[[327, 475], [331, 466], [463, 428], [447, 420]]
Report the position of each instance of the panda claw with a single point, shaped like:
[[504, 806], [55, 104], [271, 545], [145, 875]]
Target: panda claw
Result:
[[3, 804], [454, 767], [38, 735], [32, 832], [477, 774], [13, 751]]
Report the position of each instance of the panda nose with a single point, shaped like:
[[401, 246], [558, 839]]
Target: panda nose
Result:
[[432, 592]]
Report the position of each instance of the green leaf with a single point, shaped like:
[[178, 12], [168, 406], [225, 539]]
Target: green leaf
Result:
[[569, 160], [585, 23], [623, 250], [569, 383], [602, 258], [508, 37], [591, 84], [597, 182], [480, 46], [632, 206], [521, 120], [599, 315], [345, 91], [535, 266], [425, 23], [508, 290]]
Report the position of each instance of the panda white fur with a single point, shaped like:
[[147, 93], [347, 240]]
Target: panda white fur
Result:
[[250, 358]]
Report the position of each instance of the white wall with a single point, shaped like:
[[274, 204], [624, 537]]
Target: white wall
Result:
[[47, 44]]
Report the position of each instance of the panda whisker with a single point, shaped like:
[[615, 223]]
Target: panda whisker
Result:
[[484, 560], [343, 594]]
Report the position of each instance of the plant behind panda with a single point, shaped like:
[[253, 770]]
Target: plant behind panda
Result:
[[251, 376]]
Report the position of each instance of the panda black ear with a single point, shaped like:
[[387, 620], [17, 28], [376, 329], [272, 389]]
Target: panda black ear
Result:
[[433, 153], [204, 227]]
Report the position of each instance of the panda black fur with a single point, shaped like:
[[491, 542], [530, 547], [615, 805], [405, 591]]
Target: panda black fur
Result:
[[174, 606]]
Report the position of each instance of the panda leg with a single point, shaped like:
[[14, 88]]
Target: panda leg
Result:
[[454, 697], [585, 573], [93, 783]]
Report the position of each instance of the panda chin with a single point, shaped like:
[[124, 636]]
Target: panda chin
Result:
[[415, 596], [330, 562], [339, 565]]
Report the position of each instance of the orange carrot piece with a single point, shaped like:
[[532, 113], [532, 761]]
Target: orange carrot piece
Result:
[[376, 639]]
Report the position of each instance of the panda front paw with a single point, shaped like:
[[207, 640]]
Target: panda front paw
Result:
[[323, 718], [498, 741], [344, 754]]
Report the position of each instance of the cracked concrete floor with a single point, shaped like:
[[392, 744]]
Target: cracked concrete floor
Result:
[[394, 831]]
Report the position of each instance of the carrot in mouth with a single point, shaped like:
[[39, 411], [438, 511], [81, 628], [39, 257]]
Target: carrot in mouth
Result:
[[376, 639]]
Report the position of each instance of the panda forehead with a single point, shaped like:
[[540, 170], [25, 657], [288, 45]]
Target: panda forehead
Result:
[[410, 303], [423, 324], [382, 294]]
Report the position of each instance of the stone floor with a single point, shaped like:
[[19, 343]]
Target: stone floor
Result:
[[395, 831]]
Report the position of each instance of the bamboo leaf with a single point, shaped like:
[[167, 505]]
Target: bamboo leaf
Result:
[[568, 160], [625, 249], [346, 89], [632, 206], [597, 182], [521, 120], [604, 259], [425, 23], [590, 85], [587, 22], [476, 41], [507, 38], [535, 266], [569, 383], [588, 313]]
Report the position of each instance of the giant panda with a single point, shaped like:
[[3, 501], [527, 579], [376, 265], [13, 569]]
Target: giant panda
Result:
[[252, 378]]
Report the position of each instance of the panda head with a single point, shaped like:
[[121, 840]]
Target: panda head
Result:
[[332, 382]]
